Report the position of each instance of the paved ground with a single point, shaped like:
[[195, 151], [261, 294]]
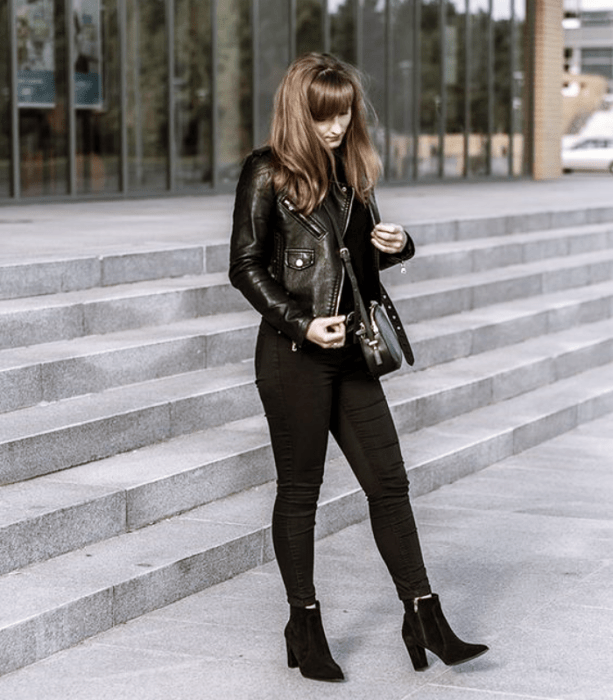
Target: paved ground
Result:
[[521, 554], [53, 228]]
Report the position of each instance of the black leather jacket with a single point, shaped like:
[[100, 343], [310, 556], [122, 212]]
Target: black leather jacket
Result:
[[288, 265]]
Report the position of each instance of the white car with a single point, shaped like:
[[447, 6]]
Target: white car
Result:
[[589, 154]]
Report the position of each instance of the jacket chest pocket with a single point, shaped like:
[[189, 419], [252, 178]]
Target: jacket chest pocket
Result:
[[299, 258]]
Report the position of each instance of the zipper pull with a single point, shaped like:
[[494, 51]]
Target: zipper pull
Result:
[[403, 268]]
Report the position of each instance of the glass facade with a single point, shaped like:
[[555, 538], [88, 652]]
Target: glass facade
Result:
[[149, 97]]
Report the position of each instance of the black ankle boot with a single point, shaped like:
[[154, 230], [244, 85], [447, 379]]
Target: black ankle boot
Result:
[[425, 627], [307, 646]]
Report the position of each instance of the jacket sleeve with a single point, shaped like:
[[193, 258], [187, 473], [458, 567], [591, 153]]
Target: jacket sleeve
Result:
[[252, 250], [390, 259]]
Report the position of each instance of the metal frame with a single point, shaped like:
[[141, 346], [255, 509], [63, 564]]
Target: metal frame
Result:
[[442, 120], [416, 97], [467, 77], [255, 74], [490, 88], [122, 19], [512, 69], [358, 23], [214, 99], [171, 162], [15, 156], [529, 154], [325, 15], [70, 98], [389, 74]]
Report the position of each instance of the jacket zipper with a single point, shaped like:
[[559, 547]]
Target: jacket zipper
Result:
[[291, 207]]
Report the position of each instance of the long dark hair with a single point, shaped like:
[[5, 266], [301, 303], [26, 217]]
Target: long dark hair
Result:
[[318, 87]]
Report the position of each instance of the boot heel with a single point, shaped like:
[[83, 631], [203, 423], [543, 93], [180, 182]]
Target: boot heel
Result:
[[425, 627], [292, 661], [307, 647], [418, 656]]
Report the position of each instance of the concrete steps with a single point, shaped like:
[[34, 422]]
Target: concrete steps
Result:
[[162, 480], [49, 371], [80, 429], [134, 458], [57, 603]]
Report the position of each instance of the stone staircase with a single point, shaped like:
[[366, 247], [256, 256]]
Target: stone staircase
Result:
[[135, 467]]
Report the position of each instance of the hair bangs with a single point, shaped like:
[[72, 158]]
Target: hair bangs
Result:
[[330, 94]]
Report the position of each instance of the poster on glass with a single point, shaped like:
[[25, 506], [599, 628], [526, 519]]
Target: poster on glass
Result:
[[35, 53], [87, 53]]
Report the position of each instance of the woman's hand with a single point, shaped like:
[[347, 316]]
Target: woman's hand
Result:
[[327, 332], [388, 238]]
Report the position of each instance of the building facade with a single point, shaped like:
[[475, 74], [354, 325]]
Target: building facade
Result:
[[112, 98], [588, 43]]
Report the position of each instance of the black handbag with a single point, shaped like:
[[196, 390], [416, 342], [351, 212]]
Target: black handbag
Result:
[[380, 331]]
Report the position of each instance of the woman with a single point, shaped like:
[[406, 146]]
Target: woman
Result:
[[319, 172]]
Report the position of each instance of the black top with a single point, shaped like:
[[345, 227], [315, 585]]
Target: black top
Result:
[[357, 240]]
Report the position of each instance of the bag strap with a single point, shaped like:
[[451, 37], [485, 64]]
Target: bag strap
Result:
[[394, 317], [358, 302], [405, 346]]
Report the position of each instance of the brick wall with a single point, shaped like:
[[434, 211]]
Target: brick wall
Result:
[[548, 68]]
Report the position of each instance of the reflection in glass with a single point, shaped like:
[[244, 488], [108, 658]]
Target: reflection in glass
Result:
[[234, 80], [193, 93], [98, 118], [5, 105], [273, 56], [147, 79], [478, 140], [455, 85], [342, 28], [503, 68], [309, 26], [402, 100], [430, 97], [43, 126]]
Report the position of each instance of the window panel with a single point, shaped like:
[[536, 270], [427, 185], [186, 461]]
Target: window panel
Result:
[[147, 78], [503, 74], [42, 90], [273, 56], [430, 89], [309, 26], [193, 97], [374, 69], [478, 139], [234, 87], [402, 141], [97, 96], [455, 86], [342, 27]]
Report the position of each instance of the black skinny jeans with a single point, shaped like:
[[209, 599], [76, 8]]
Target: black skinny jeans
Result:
[[308, 394]]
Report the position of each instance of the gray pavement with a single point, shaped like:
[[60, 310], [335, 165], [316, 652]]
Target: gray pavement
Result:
[[520, 553], [78, 227]]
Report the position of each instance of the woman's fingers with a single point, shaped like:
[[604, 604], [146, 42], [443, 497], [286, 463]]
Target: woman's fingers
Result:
[[388, 238], [327, 332]]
